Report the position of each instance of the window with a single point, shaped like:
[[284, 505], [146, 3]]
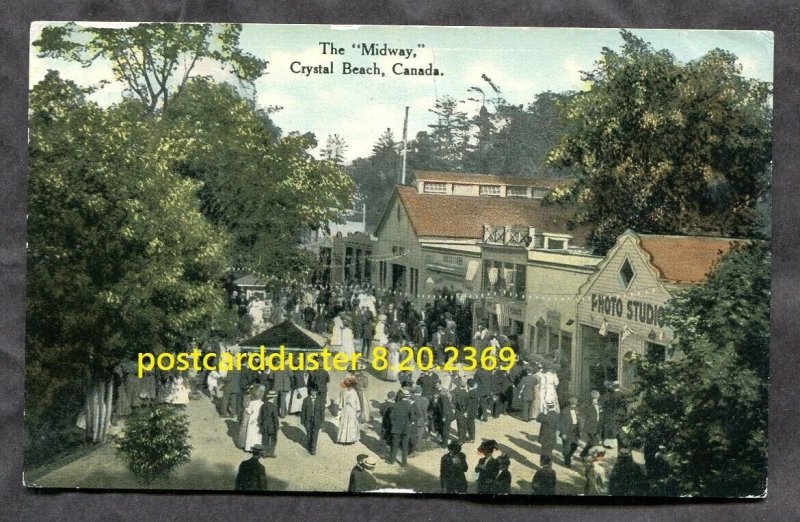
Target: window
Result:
[[626, 274], [555, 244], [414, 282], [517, 192], [397, 213], [434, 188], [519, 282], [540, 192], [383, 269], [489, 190]]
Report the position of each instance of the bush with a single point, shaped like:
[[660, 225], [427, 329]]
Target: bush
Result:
[[155, 442]]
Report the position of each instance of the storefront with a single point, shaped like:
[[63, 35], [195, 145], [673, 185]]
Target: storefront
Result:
[[554, 278], [503, 257], [451, 268], [620, 308]]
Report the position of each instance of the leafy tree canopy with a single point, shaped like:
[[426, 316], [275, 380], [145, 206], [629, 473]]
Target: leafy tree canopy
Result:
[[267, 192], [120, 259], [667, 147], [153, 60], [708, 405]]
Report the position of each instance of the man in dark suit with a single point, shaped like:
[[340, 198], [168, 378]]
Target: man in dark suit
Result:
[[590, 423], [361, 478], [452, 468], [233, 394], [318, 380], [549, 420], [473, 408], [570, 430], [483, 380], [402, 420], [460, 410], [501, 385], [526, 390], [385, 410], [428, 381], [444, 416], [367, 331], [312, 417], [420, 410], [268, 420], [544, 480], [251, 475], [282, 384]]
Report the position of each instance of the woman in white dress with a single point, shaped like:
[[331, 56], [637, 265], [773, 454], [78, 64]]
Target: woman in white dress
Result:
[[379, 338], [548, 384], [249, 430], [393, 356], [349, 410], [348, 340], [336, 333]]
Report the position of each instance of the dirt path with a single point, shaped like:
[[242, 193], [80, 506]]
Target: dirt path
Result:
[[215, 458]]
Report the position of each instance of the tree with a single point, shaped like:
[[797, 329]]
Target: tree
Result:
[[153, 60], [450, 133], [265, 192], [377, 175], [120, 259], [335, 149], [526, 134], [155, 442], [667, 147], [708, 405]]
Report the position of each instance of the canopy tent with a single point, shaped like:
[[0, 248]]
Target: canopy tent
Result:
[[287, 334]]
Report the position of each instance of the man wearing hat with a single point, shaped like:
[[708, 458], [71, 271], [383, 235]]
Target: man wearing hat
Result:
[[590, 423], [361, 478], [251, 475], [570, 430], [544, 480], [420, 407], [401, 418], [452, 469], [312, 417], [268, 421]]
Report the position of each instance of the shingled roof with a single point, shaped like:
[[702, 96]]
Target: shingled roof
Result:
[[463, 217], [287, 334], [684, 259], [487, 179]]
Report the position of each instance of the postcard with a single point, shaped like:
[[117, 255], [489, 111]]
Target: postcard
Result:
[[390, 259]]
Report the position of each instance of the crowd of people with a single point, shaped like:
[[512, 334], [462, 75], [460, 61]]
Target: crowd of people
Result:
[[428, 409]]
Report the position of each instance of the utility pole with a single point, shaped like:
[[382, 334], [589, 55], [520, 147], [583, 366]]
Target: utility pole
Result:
[[405, 147]]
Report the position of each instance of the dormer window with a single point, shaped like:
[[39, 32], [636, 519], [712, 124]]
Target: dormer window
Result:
[[489, 190], [434, 188], [626, 274]]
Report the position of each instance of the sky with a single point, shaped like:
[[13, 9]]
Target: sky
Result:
[[522, 62]]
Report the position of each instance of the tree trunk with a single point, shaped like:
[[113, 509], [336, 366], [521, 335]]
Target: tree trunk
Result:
[[99, 405]]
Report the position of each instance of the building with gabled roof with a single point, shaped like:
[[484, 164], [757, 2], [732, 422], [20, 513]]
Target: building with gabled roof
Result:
[[430, 241], [620, 309]]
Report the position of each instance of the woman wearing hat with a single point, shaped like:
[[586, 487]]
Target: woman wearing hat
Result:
[[249, 430], [349, 406], [452, 469], [488, 467]]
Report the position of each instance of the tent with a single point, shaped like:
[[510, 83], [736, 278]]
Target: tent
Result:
[[287, 334]]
